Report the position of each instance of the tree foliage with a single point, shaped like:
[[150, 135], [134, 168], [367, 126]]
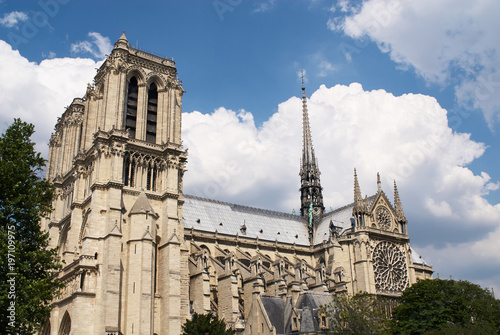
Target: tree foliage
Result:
[[446, 307], [201, 324], [362, 314], [26, 265]]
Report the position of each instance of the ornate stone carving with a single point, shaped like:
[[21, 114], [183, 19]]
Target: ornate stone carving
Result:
[[389, 266], [103, 149], [383, 217], [54, 140], [153, 66]]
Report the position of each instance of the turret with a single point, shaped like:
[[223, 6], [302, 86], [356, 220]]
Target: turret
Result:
[[360, 208]]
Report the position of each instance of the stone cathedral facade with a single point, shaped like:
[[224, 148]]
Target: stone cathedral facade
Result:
[[140, 256]]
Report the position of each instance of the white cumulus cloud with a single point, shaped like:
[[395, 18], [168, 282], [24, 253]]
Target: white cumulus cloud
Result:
[[11, 19], [38, 93], [98, 46], [448, 42]]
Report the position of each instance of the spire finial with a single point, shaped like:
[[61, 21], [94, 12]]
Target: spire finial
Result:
[[359, 204], [398, 207], [379, 184], [122, 42], [123, 37]]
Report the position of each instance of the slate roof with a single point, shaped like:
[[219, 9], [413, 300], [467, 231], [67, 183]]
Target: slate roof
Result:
[[226, 218], [275, 309], [313, 299], [309, 303], [417, 259], [340, 217], [211, 215], [142, 206], [308, 324]]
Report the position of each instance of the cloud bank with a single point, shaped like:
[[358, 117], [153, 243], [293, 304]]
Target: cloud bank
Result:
[[38, 93], [449, 42], [405, 138]]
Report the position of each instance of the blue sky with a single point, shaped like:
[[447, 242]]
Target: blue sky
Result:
[[425, 112]]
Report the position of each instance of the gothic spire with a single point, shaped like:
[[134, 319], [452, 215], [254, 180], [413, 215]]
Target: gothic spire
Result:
[[310, 189], [359, 204], [400, 215], [308, 157], [357, 190], [123, 38], [122, 42]]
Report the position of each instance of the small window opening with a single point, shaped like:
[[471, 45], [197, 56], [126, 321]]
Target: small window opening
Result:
[[82, 281], [148, 178], [126, 171]]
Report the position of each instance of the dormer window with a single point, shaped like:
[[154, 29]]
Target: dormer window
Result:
[[243, 229]]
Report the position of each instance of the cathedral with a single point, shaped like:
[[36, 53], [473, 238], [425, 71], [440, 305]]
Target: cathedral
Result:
[[140, 256]]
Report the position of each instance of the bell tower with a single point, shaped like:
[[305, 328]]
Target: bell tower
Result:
[[117, 162]]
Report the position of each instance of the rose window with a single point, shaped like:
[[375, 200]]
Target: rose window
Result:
[[389, 265], [384, 218]]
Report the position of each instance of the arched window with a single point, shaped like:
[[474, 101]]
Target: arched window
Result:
[[131, 117], [65, 327], [151, 113], [126, 170]]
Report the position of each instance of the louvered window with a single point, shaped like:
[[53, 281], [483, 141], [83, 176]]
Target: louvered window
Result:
[[152, 113], [131, 117]]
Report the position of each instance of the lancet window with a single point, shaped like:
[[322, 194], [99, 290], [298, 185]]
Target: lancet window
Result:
[[142, 171], [151, 114], [131, 116]]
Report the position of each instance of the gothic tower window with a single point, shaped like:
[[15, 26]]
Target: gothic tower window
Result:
[[129, 170], [151, 113], [131, 117], [141, 171], [65, 327], [126, 170]]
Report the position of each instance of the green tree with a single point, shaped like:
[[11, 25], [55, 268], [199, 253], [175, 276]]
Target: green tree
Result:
[[202, 324], [26, 265], [453, 329], [362, 314], [446, 307]]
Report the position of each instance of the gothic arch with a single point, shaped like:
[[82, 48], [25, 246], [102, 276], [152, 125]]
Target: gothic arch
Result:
[[138, 73], [157, 79], [65, 327], [63, 237], [85, 216]]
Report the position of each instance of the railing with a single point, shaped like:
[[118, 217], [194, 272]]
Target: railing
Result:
[[139, 52]]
